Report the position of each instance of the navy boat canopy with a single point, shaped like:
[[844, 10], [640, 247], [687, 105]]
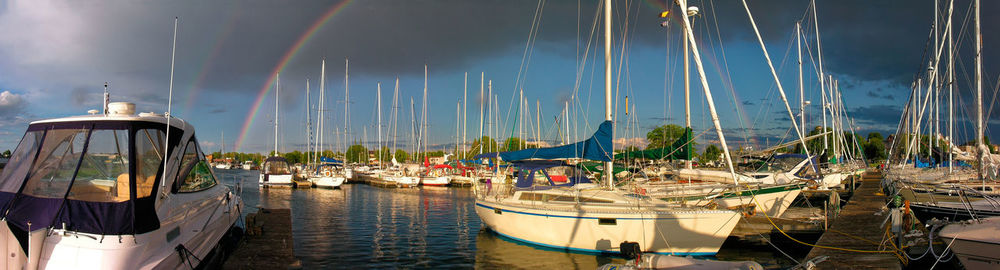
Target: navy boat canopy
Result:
[[329, 160], [597, 147]]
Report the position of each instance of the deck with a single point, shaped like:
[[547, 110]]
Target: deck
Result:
[[267, 244], [858, 218]]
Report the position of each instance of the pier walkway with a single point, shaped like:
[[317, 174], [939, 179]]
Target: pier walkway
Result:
[[267, 243], [858, 219]]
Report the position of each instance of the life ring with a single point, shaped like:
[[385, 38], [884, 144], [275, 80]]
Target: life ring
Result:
[[327, 173]]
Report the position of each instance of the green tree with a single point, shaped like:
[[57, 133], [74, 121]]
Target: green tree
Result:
[[483, 145], [385, 156], [664, 135], [712, 153], [875, 147], [357, 153], [513, 144], [6, 154], [293, 157], [401, 156]]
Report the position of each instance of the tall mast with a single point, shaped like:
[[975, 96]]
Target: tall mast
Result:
[[566, 120], [489, 106], [347, 103], [691, 11], [951, 88], [608, 165], [802, 99], [321, 107], [458, 126], [538, 122], [277, 87], [465, 113], [482, 102], [378, 108], [413, 131], [309, 128], [979, 93], [395, 116], [819, 54], [423, 116]]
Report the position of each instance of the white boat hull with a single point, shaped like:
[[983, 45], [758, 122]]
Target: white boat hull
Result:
[[284, 180], [435, 181], [668, 232], [327, 181], [977, 244]]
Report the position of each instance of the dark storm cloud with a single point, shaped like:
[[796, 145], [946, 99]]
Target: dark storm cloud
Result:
[[877, 113]]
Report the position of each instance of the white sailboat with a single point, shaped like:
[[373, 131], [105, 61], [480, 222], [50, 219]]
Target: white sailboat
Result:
[[328, 173], [276, 172], [584, 217], [224, 165]]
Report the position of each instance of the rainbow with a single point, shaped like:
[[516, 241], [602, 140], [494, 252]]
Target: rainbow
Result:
[[285, 59], [222, 35]]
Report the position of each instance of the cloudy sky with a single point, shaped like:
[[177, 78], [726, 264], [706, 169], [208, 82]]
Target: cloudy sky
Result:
[[55, 57]]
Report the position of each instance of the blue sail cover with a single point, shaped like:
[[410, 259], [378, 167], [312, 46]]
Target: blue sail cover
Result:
[[597, 147], [329, 160]]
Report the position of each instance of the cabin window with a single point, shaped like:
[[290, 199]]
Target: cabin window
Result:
[[593, 200], [531, 197], [56, 163], [563, 199], [199, 178], [149, 159], [103, 175], [20, 161], [607, 221], [190, 156]]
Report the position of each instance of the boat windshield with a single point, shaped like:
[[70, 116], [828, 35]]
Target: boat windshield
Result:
[[276, 167], [87, 162], [88, 176], [784, 164]]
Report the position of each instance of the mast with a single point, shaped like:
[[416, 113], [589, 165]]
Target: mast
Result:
[[423, 116], [489, 107], [458, 125], [395, 117], [802, 99], [465, 113], [708, 93], [309, 128], [482, 102], [347, 103], [566, 120], [378, 109], [277, 87], [538, 121], [979, 93], [819, 54], [691, 11], [608, 165], [413, 131], [951, 89], [321, 107]]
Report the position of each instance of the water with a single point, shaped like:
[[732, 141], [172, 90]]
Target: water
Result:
[[430, 227]]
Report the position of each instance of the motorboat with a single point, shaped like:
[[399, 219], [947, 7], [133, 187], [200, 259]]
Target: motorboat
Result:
[[95, 192], [975, 242], [276, 173]]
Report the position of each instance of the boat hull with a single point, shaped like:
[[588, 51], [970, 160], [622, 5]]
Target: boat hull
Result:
[[327, 181], [976, 244], [276, 181], [435, 181], [671, 232]]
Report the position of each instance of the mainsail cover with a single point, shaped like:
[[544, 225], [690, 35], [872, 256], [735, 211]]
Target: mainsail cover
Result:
[[679, 149], [597, 147]]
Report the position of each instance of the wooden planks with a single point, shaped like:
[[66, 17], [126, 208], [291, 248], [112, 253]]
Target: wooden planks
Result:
[[858, 219], [267, 243]]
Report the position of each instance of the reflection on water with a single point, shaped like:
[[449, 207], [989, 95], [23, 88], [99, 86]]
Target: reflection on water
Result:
[[361, 225]]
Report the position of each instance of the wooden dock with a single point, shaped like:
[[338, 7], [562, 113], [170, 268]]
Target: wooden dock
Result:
[[267, 243], [866, 230]]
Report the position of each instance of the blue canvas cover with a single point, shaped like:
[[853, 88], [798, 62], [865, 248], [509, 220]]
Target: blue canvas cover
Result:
[[597, 147], [329, 160]]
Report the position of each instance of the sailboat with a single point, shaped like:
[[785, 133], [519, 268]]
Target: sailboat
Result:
[[586, 217], [328, 172], [225, 164], [276, 172]]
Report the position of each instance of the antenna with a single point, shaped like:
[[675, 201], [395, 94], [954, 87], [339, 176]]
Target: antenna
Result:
[[107, 98], [170, 100]]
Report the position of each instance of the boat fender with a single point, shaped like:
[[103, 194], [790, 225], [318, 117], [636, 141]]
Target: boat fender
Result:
[[630, 250]]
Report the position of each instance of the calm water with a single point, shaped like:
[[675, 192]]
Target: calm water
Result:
[[364, 226]]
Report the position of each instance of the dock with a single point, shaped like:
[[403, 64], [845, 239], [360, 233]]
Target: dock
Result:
[[859, 219], [267, 243]]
